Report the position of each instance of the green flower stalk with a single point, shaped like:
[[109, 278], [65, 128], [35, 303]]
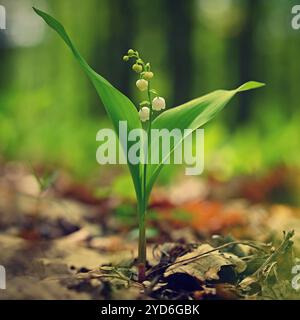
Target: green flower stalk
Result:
[[154, 103], [190, 115]]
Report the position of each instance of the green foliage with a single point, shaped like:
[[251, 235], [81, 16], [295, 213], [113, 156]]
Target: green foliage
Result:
[[190, 115]]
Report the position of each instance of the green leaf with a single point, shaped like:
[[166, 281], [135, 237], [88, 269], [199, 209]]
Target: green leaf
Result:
[[191, 115], [117, 105]]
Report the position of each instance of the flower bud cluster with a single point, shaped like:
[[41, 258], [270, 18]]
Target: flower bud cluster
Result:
[[143, 84]]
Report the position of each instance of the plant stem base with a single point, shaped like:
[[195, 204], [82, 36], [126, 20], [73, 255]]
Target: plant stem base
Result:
[[141, 272]]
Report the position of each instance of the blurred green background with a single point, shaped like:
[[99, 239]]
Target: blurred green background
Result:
[[50, 113]]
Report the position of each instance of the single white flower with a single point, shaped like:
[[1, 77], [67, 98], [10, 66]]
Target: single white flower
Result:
[[144, 114], [142, 84], [148, 75], [158, 103]]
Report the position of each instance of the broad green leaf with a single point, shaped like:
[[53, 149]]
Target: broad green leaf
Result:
[[191, 115], [117, 105]]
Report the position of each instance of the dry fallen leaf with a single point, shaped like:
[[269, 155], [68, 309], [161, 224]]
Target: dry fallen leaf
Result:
[[205, 264]]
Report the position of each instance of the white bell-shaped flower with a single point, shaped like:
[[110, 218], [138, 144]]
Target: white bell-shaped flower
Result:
[[144, 114], [158, 103], [142, 84]]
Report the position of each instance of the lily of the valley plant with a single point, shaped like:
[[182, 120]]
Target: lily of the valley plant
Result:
[[150, 114]]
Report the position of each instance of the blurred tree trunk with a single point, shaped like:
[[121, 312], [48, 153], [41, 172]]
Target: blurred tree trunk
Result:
[[120, 30], [180, 19], [3, 61], [245, 56]]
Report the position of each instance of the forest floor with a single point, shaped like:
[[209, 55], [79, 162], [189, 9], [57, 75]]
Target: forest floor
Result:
[[206, 240]]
